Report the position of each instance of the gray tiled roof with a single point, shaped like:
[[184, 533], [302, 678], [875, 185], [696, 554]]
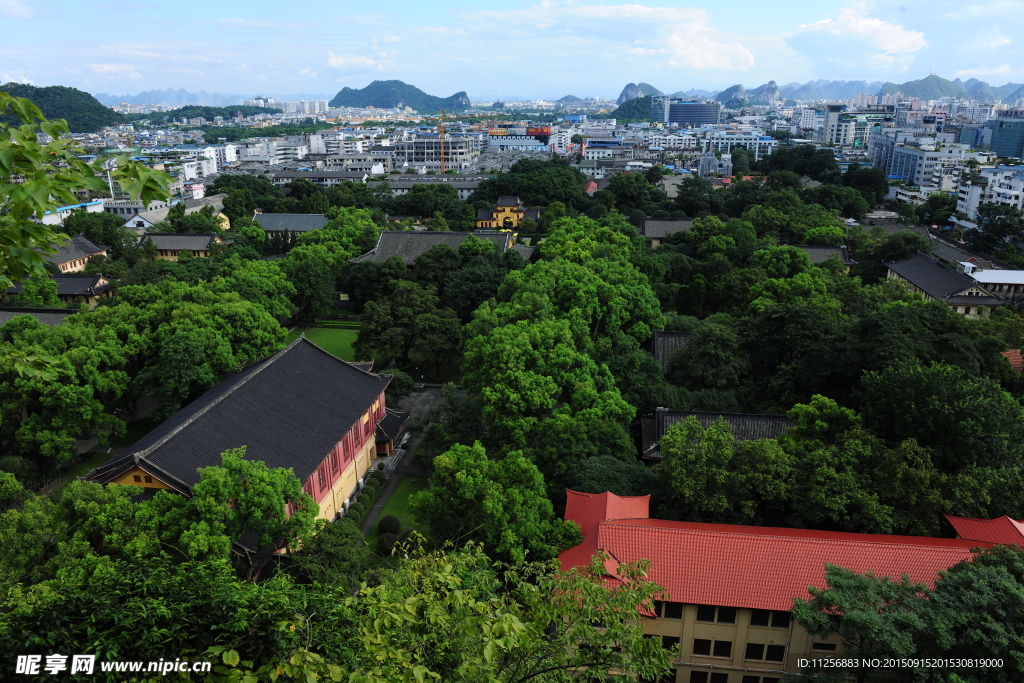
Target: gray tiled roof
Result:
[[389, 425], [508, 201], [75, 284], [931, 277], [47, 316], [294, 222], [191, 206], [409, 244], [177, 241], [289, 410], [653, 227], [745, 427], [664, 343], [525, 251], [949, 253], [893, 228], [77, 247], [822, 254]]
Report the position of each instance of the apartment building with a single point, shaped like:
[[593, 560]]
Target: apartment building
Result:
[[1000, 184], [728, 589], [844, 128], [424, 152]]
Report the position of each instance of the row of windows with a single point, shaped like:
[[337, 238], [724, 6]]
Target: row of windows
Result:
[[723, 615], [705, 677], [723, 648], [329, 469]]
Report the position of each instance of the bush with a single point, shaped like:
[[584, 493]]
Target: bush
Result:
[[380, 466], [386, 543], [356, 507], [378, 475], [389, 524], [373, 485]]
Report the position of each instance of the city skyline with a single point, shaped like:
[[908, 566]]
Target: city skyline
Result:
[[534, 50]]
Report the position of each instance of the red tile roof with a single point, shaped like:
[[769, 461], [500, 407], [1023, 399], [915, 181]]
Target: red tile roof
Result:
[[1001, 530], [743, 566], [1015, 358]]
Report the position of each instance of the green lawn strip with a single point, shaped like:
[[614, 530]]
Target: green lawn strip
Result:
[[91, 462], [335, 341], [398, 505]]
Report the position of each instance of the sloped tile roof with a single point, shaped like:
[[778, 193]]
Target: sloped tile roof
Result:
[[933, 278], [745, 426], [77, 247], [744, 566], [177, 241], [289, 410], [820, 255], [1015, 358], [389, 425], [47, 316], [75, 284], [508, 201], [409, 244], [1001, 530], [654, 227], [294, 222], [663, 344]]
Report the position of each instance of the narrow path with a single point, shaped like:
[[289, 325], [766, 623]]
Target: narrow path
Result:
[[406, 468]]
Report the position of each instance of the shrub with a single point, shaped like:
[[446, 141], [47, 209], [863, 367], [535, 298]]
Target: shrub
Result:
[[380, 466], [378, 476], [355, 515], [356, 507], [373, 485], [386, 543], [389, 524]]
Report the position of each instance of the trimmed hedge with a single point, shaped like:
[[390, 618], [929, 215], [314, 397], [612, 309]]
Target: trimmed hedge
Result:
[[389, 524], [386, 543]]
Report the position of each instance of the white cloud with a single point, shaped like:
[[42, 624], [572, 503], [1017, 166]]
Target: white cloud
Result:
[[852, 30], [351, 61], [121, 70], [15, 9]]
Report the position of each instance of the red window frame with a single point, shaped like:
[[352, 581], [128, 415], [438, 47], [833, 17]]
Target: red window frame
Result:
[[321, 477]]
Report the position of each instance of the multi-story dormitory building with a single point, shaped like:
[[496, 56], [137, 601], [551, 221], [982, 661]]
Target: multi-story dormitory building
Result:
[[729, 589]]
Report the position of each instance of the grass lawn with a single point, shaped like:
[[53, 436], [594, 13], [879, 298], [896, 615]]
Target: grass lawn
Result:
[[398, 505], [137, 430], [91, 462], [333, 340]]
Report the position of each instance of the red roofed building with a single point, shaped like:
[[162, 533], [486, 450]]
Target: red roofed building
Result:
[[729, 588], [1015, 358], [1001, 530]]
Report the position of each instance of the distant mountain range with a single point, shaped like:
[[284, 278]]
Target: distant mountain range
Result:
[[81, 110], [930, 88], [391, 94], [180, 97]]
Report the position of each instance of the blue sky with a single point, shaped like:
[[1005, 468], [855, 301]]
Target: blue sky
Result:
[[526, 48]]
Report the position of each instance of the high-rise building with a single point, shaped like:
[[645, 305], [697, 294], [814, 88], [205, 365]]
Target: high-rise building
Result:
[[1008, 137], [689, 112]]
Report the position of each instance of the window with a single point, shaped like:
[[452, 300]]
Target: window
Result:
[[669, 641], [334, 461], [780, 619], [775, 653], [701, 646], [137, 478], [722, 648], [321, 479], [760, 617], [673, 610], [825, 647], [698, 677], [726, 615], [344, 449], [149, 480], [750, 679], [719, 678], [754, 651]]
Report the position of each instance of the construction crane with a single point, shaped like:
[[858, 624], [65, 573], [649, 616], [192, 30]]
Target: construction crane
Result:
[[440, 138]]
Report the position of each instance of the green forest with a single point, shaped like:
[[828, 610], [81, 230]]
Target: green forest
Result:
[[902, 410], [82, 111]]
